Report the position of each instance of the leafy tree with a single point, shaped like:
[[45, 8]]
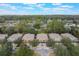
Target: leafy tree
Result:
[[6, 49], [34, 43], [20, 27], [23, 27], [3, 29], [61, 51], [24, 50], [37, 25], [73, 50], [10, 30], [75, 32], [76, 51], [56, 26], [50, 43], [66, 41]]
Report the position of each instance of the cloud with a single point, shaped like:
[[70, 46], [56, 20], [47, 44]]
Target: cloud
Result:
[[13, 7], [28, 3], [63, 8], [3, 11], [58, 7], [3, 4], [8, 6], [40, 5], [43, 8], [34, 6], [47, 9], [66, 6], [57, 4], [28, 8]]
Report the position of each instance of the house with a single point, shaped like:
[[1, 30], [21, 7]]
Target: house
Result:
[[77, 25], [55, 37], [42, 37], [69, 25], [14, 38], [3, 37], [75, 44], [28, 37], [70, 36]]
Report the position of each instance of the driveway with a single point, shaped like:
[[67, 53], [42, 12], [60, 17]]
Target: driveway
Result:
[[42, 49]]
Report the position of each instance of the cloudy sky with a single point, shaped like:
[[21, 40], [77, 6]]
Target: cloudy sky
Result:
[[38, 8]]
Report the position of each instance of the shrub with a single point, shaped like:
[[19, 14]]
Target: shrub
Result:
[[34, 43], [24, 50]]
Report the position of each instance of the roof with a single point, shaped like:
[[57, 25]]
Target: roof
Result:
[[75, 44], [28, 37], [42, 36], [70, 36], [14, 37], [3, 36], [55, 37]]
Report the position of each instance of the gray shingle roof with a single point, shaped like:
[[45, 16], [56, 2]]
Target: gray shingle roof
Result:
[[3, 36], [42, 37], [55, 37], [70, 36], [14, 37], [28, 37]]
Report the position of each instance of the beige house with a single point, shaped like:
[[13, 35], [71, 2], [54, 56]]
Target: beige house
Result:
[[14, 38], [55, 37], [75, 44], [42, 37], [70, 36], [3, 37], [28, 37]]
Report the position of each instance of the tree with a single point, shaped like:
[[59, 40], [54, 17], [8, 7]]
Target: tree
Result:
[[66, 41], [19, 27], [50, 43], [24, 27], [6, 49], [10, 30], [37, 25], [56, 26], [34, 43], [61, 51], [24, 50], [75, 32], [3, 29], [73, 50], [76, 51]]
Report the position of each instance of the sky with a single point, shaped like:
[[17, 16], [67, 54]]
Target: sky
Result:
[[39, 8]]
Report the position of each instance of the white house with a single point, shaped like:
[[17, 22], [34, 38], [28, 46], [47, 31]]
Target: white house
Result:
[[55, 37], [77, 25], [14, 37], [3, 37], [70, 36], [42, 37], [28, 37], [69, 25]]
